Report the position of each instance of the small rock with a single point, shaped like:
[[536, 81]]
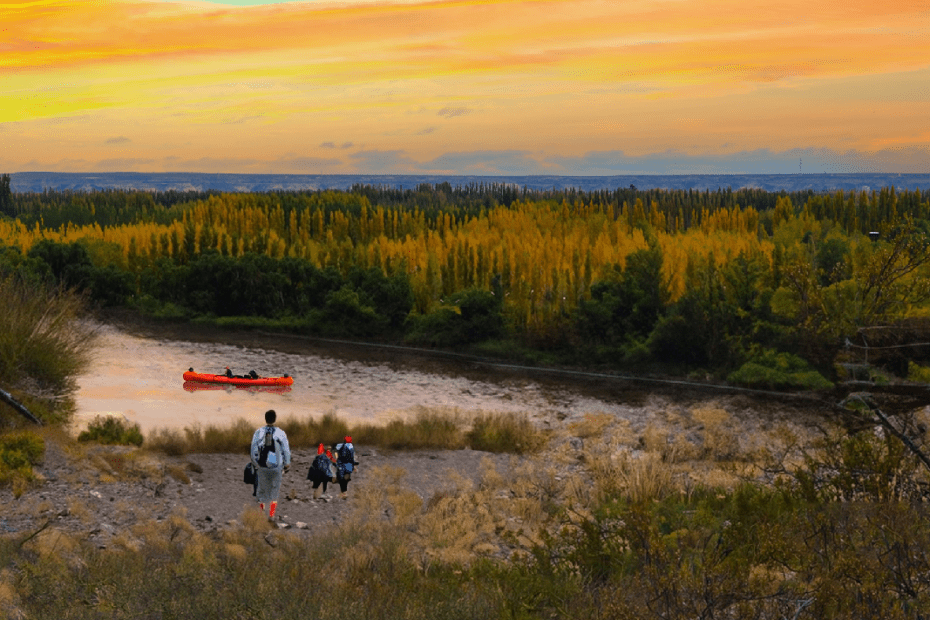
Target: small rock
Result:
[[300, 525]]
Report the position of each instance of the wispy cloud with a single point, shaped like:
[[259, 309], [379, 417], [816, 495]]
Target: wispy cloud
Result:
[[387, 162], [483, 162], [452, 112]]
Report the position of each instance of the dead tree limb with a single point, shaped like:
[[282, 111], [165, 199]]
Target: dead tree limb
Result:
[[18, 406], [886, 424]]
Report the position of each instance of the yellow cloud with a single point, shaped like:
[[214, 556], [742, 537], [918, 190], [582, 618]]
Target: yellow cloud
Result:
[[379, 72]]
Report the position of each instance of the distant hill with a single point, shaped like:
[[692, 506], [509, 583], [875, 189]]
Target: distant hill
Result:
[[199, 181]]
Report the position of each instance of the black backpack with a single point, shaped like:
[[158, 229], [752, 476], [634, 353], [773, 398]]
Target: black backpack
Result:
[[346, 454], [321, 465], [267, 447]]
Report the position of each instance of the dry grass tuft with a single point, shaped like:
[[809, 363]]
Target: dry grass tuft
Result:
[[721, 437], [254, 520], [78, 508], [179, 473], [405, 503], [428, 428], [128, 542], [645, 477], [537, 490], [382, 494], [592, 425], [9, 598], [683, 450], [617, 470], [236, 551], [52, 543], [655, 438], [715, 478], [453, 525]]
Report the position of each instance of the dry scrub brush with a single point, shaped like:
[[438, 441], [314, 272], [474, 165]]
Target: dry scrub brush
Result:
[[43, 342]]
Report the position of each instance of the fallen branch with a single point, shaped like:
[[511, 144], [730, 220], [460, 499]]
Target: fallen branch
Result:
[[18, 406], [886, 423], [35, 533]]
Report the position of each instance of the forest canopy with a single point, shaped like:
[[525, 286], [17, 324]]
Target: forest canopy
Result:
[[770, 289]]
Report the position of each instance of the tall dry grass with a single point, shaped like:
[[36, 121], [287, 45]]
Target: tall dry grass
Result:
[[436, 429], [44, 344]]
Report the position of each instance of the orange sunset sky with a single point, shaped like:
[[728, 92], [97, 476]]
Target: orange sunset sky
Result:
[[594, 87]]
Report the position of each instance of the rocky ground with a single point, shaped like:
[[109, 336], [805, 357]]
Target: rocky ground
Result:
[[106, 490], [97, 492]]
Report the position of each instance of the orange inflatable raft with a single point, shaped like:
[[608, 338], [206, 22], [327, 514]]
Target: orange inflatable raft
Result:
[[202, 377]]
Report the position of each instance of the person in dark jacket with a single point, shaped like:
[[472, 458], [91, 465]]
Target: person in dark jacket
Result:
[[345, 464], [322, 471]]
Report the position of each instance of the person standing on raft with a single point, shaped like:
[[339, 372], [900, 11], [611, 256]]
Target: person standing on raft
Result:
[[271, 456]]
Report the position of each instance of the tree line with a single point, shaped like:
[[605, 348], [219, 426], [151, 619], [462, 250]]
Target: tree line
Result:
[[767, 288]]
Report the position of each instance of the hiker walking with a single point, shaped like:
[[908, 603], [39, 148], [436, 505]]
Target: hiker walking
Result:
[[345, 464], [322, 471], [271, 456]]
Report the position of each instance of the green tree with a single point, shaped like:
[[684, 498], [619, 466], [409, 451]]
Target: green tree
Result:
[[626, 305], [473, 316], [6, 196]]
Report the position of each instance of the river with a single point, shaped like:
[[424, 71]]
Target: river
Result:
[[139, 377]]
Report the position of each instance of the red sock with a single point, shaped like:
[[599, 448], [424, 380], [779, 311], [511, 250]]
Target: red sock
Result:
[[262, 506], [274, 506]]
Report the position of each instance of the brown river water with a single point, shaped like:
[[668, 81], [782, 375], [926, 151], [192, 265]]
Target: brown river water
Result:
[[139, 376]]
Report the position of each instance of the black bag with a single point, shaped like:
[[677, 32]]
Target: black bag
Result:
[[347, 454], [248, 476], [321, 469]]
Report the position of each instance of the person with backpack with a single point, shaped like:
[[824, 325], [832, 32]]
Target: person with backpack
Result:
[[322, 471], [345, 464], [271, 456]]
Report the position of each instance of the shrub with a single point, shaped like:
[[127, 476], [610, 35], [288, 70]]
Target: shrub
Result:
[[112, 431], [916, 372], [774, 370], [472, 316], [18, 453]]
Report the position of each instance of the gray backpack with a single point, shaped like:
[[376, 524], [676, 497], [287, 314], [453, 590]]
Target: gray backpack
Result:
[[268, 449]]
